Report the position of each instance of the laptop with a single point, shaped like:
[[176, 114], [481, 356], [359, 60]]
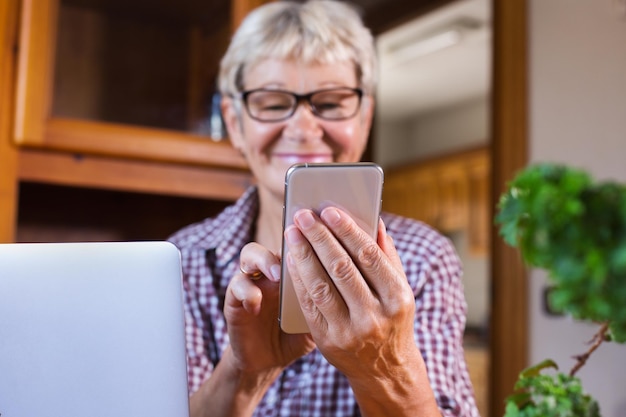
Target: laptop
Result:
[[92, 329]]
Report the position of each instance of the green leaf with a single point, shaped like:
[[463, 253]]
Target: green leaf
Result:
[[542, 395], [574, 228]]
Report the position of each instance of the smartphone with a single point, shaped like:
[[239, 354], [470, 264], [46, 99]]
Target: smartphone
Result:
[[355, 188]]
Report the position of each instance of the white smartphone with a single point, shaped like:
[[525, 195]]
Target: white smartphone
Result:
[[355, 188]]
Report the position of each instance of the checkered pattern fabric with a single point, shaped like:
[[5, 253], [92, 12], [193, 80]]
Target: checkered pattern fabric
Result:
[[311, 386]]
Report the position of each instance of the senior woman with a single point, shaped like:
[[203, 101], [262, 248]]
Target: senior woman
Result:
[[386, 331]]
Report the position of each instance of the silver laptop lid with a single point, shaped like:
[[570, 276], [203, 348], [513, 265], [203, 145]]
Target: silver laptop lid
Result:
[[92, 329]]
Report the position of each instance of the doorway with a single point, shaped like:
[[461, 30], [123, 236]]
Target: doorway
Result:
[[505, 106]]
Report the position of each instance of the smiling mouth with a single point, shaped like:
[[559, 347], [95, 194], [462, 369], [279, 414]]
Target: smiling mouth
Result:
[[301, 158]]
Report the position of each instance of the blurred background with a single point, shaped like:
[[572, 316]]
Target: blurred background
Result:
[[108, 131]]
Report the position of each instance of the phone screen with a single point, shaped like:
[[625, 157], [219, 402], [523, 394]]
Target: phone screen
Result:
[[355, 188]]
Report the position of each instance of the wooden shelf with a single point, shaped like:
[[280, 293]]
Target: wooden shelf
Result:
[[124, 141], [131, 175]]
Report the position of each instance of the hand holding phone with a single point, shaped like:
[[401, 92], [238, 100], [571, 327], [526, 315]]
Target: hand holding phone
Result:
[[355, 188]]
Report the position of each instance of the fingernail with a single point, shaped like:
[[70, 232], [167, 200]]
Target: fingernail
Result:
[[275, 272], [304, 219], [293, 235], [331, 216]]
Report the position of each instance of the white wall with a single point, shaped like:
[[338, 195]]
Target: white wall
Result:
[[475, 282], [578, 116], [454, 128], [435, 133], [391, 140]]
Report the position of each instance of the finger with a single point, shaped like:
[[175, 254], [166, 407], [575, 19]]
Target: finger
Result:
[[243, 294], [312, 294], [252, 275], [256, 261], [382, 273], [316, 293], [334, 263], [388, 247]]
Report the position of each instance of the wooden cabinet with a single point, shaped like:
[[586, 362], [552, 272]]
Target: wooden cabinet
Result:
[[412, 195], [112, 94], [110, 79], [479, 214], [450, 193], [452, 183]]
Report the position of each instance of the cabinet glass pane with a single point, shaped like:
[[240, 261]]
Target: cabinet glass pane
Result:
[[150, 63]]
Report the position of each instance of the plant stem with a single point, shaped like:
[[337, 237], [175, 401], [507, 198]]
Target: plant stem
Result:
[[597, 340]]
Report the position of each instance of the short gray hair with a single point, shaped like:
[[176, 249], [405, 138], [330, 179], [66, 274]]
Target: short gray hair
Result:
[[315, 31]]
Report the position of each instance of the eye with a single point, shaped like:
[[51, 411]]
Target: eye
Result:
[[327, 104], [335, 103], [270, 101]]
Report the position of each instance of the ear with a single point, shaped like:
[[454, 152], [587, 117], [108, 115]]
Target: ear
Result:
[[232, 121]]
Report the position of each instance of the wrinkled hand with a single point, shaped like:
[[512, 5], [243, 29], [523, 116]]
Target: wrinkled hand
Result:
[[251, 311], [354, 295]]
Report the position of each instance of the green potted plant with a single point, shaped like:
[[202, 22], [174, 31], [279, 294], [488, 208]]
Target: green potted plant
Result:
[[564, 222]]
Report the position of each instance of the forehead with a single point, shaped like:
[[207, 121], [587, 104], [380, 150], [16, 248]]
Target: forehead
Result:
[[299, 76]]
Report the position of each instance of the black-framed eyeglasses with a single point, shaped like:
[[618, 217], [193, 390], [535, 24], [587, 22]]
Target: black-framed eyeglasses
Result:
[[269, 105]]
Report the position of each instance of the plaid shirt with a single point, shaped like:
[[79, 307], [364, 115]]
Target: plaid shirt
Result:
[[311, 386]]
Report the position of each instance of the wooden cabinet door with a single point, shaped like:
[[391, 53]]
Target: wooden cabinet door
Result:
[[449, 193], [412, 194], [479, 224], [395, 193], [452, 183], [87, 85], [424, 194]]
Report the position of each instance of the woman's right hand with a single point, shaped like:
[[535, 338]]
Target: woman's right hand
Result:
[[251, 309], [258, 350]]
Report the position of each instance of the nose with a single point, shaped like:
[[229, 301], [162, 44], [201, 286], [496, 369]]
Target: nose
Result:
[[303, 126]]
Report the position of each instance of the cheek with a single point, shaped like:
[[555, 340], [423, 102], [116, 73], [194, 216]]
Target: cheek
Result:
[[260, 137], [349, 139]]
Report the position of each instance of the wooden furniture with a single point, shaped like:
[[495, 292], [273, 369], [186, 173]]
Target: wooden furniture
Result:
[[448, 192], [66, 89], [67, 116], [509, 344], [9, 12]]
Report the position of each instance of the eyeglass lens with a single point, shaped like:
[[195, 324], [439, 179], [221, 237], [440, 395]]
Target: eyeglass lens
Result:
[[275, 105]]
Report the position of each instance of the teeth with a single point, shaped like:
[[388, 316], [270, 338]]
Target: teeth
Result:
[[306, 158]]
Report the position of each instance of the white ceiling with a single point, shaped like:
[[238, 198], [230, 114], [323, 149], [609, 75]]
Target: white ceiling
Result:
[[458, 73]]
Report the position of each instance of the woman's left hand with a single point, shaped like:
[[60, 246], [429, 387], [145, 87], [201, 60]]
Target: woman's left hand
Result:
[[354, 295], [360, 310]]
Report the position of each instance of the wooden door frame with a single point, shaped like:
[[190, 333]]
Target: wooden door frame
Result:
[[509, 142]]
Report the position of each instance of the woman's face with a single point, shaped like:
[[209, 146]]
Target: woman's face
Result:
[[272, 147]]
